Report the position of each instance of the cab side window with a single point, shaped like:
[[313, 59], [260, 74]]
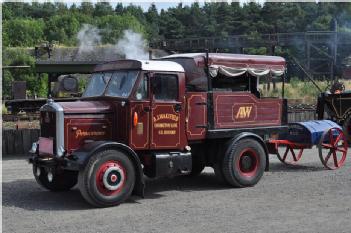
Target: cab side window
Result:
[[165, 87], [142, 91]]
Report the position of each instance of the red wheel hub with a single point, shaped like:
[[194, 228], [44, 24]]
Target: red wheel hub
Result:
[[110, 178], [248, 163], [113, 178]]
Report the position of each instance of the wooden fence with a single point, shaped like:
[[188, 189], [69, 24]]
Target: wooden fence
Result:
[[301, 115], [15, 142]]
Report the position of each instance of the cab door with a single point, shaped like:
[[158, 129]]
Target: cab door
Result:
[[168, 111], [140, 110]]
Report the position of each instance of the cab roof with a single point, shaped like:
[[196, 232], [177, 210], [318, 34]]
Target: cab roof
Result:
[[147, 65]]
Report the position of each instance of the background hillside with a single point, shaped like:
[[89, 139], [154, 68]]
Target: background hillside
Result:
[[26, 25]]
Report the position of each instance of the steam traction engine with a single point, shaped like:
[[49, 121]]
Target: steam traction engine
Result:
[[163, 117]]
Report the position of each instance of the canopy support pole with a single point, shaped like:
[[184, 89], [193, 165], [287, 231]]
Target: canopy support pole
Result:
[[210, 114], [283, 85]]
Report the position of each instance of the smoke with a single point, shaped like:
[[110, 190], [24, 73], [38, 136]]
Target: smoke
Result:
[[88, 37], [131, 45]]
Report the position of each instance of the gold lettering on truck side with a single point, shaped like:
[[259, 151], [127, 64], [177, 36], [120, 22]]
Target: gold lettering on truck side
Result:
[[166, 128], [81, 133], [167, 116], [243, 112]]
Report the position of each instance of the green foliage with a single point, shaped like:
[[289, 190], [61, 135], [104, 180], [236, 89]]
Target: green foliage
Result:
[[114, 25], [55, 21], [62, 28], [27, 24], [294, 82], [19, 57], [22, 32], [4, 109], [102, 9]]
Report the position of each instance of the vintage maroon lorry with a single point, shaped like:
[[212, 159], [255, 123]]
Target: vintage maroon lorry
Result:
[[165, 117]]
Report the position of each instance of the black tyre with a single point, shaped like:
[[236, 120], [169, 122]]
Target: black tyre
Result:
[[61, 181], [347, 128], [244, 163], [108, 178], [218, 170]]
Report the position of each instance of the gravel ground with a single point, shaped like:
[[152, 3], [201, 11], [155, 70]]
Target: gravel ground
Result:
[[304, 198]]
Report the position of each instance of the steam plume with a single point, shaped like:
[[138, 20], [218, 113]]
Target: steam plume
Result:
[[132, 45], [88, 37]]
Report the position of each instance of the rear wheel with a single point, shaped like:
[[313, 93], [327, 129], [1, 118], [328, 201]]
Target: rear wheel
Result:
[[55, 181], [244, 163], [108, 179]]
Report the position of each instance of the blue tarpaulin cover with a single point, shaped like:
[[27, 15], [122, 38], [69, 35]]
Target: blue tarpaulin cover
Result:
[[309, 132]]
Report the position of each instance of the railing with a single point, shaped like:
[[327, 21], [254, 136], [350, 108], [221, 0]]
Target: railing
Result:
[[236, 41]]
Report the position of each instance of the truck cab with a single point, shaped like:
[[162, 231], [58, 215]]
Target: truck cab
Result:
[[164, 117]]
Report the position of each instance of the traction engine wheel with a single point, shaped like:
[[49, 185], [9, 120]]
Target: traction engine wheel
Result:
[[108, 179], [333, 148], [244, 163], [288, 154], [347, 129], [62, 181]]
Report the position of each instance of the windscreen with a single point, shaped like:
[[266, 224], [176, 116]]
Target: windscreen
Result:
[[116, 84]]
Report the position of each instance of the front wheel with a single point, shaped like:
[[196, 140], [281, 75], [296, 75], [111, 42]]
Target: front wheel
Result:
[[244, 163], [56, 180], [108, 179]]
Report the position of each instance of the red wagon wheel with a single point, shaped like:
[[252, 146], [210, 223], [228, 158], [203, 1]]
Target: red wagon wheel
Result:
[[333, 148], [289, 154]]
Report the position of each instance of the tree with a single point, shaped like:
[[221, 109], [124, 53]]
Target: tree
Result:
[[170, 27], [86, 8], [152, 25], [119, 9], [62, 28], [17, 57], [23, 32], [112, 26], [103, 9], [136, 11]]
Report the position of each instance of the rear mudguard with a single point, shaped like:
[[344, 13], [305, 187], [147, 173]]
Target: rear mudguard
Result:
[[255, 137], [81, 157]]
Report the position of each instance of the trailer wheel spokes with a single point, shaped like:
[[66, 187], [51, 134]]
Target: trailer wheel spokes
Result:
[[290, 156], [333, 144], [328, 156]]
